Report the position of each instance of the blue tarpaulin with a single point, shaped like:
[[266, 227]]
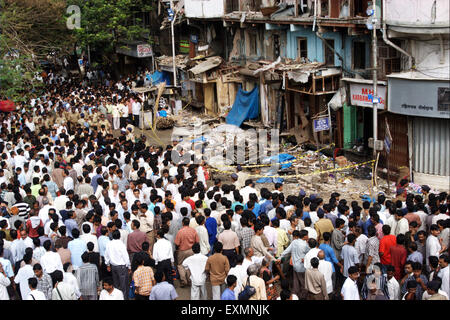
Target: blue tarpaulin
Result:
[[245, 107], [158, 77], [283, 157], [269, 180]]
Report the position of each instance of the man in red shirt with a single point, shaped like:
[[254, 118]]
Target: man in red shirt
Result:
[[411, 215], [387, 241], [184, 241], [33, 224], [398, 256]]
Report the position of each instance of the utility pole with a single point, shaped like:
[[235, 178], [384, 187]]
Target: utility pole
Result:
[[375, 80], [173, 46]]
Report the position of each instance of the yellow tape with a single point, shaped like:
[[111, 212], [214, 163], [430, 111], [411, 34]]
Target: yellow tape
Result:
[[305, 174]]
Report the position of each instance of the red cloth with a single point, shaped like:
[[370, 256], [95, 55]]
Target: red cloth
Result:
[[398, 260], [192, 203], [385, 247], [32, 233], [7, 106]]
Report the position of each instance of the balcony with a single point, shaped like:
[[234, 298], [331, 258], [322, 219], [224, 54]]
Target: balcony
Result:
[[347, 13]]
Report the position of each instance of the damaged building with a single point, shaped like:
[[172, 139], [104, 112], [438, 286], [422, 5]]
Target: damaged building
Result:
[[308, 58]]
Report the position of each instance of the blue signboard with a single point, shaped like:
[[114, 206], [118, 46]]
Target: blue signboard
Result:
[[321, 124], [194, 38]]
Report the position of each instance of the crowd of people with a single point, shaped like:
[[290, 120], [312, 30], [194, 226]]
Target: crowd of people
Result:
[[89, 213]]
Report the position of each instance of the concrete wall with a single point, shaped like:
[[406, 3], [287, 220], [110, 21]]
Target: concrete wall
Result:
[[204, 8], [416, 12]]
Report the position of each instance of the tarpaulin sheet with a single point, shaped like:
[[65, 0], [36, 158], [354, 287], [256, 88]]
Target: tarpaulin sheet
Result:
[[282, 157], [245, 107], [158, 77], [270, 180]]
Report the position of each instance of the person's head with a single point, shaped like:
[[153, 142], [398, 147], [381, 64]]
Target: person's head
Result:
[[444, 259], [411, 286], [371, 231], [390, 271], [218, 247], [75, 233], [32, 283], [434, 230], [159, 276], [408, 267], [196, 248], [326, 236], [248, 252], [57, 276], [231, 281], [433, 287], [108, 284], [353, 272], [37, 269], [315, 262]]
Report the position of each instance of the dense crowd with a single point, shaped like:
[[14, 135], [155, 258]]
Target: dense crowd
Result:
[[90, 213]]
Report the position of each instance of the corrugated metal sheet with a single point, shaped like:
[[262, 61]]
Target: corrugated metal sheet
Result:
[[398, 126], [431, 146]]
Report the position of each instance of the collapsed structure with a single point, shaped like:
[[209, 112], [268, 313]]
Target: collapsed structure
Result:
[[303, 59]]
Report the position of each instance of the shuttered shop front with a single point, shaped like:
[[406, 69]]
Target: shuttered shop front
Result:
[[431, 143]]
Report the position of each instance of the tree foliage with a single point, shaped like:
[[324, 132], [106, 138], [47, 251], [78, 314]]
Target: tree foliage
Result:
[[104, 23], [30, 30]]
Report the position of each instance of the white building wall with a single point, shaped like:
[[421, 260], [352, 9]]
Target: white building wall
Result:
[[432, 57], [417, 12], [204, 8]]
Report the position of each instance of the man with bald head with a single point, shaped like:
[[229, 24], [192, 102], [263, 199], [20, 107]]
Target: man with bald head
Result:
[[326, 268]]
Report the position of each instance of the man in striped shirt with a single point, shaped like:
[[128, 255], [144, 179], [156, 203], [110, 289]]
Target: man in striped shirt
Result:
[[88, 279], [24, 208]]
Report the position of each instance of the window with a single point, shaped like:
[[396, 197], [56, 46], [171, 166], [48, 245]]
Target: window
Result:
[[302, 48], [443, 99], [276, 46], [328, 53], [359, 55], [253, 43]]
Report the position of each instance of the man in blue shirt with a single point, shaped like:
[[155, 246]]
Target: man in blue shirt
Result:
[[211, 226], [228, 293], [162, 290], [70, 223], [329, 252], [77, 247]]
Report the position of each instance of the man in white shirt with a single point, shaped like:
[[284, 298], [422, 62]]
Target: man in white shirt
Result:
[[444, 273], [68, 181], [392, 284], [196, 265], [249, 188], [109, 292], [326, 268], [118, 262], [87, 236], [433, 246], [50, 261], [33, 293], [360, 244], [349, 290], [163, 255], [312, 253], [205, 247], [240, 272], [25, 273]]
